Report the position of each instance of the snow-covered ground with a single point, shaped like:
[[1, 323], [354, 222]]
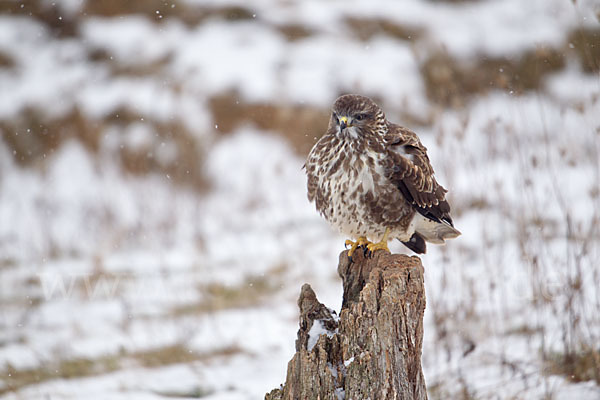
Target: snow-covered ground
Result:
[[117, 282]]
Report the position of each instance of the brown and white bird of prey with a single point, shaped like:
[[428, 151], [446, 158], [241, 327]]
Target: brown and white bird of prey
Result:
[[372, 179]]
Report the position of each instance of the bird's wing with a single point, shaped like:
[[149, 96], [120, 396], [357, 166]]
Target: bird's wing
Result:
[[312, 170], [410, 170]]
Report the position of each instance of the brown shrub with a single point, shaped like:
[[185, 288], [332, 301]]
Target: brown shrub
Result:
[[185, 168], [177, 353], [6, 60], [302, 125], [294, 32], [160, 10], [576, 366], [134, 68], [46, 12], [32, 136], [586, 42], [366, 28], [452, 82]]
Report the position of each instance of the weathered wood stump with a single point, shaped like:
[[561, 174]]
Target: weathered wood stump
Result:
[[373, 350]]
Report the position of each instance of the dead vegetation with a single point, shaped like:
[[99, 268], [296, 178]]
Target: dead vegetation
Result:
[[33, 136], [132, 68], [366, 28], [177, 353], [577, 366], [302, 125], [454, 1], [46, 12], [183, 165], [188, 13], [6, 61], [294, 32], [194, 393], [167, 147], [15, 379], [250, 292], [563, 286], [452, 82], [586, 43], [64, 24]]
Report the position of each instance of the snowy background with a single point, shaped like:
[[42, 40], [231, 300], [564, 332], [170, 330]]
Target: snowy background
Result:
[[154, 226]]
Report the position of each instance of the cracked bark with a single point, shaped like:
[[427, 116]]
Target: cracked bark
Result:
[[373, 350]]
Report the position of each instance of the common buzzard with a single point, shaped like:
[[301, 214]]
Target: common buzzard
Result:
[[372, 179]]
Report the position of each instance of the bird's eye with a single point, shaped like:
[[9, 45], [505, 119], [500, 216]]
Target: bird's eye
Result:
[[335, 118], [359, 117]]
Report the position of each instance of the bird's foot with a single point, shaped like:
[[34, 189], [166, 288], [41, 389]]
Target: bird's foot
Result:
[[381, 245], [372, 247], [361, 241]]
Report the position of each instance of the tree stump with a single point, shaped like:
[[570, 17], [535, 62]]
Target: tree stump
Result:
[[373, 349]]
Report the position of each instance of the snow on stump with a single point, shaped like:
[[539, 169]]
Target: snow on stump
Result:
[[373, 349]]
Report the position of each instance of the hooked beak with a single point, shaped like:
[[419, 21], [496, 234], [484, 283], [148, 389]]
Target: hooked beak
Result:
[[343, 123]]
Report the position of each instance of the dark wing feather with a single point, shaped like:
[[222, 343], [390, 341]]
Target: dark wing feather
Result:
[[411, 171], [312, 166], [416, 244]]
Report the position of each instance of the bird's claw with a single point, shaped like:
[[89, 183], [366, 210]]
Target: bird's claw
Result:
[[360, 242], [368, 247], [372, 247]]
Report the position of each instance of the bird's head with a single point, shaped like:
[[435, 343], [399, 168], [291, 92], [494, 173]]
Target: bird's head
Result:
[[354, 116]]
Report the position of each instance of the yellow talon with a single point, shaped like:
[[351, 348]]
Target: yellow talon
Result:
[[381, 245], [361, 241]]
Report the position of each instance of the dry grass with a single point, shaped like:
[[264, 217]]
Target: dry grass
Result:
[[64, 25], [367, 28], [6, 61], [184, 168], [160, 10], [454, 1], [64, 369], [251, 292], [451, 82], [586, 42], [293, 32], [133, 68], [562, 285], [33, 137], [438, 391], [113, 8], [579, 366], [7, 262], [45, 12], [571, 295], [178, 353], [195, 393], [99, 283], [524, 330], [302, 125]]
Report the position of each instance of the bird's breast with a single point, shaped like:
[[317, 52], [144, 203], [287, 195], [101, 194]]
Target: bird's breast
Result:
[[350, 180]]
